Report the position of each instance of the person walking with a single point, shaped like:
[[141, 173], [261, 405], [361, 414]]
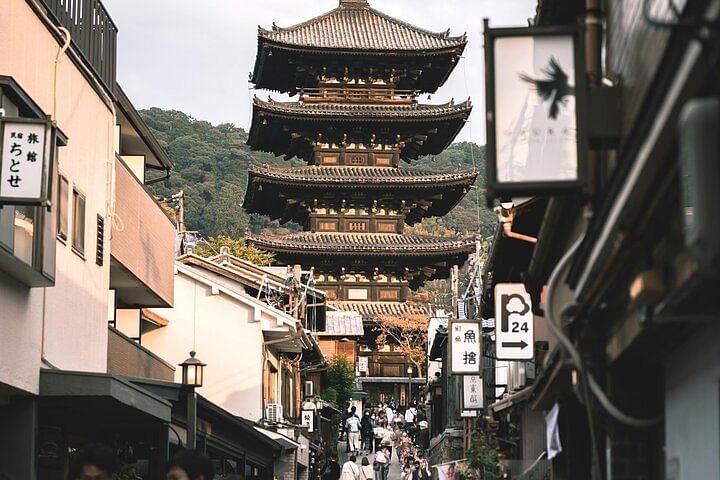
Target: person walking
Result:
[[350, 470], [332, 469], [93, 461], [366, 430], [190, 465], [367, 472], [352, 426], [423, 437], [380, 461]]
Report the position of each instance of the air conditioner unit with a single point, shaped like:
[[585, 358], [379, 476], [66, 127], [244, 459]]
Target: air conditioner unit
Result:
[[308, 389], [274, 412]]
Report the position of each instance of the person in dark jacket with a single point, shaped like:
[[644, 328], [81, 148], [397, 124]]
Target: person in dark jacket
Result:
[[366, 430], [332, 469], [422, 438]]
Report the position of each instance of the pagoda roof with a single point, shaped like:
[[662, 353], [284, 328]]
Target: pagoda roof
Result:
[[435, 193], [349, 243], [353, 25], [369, 311], [290, 128], [356, 30]]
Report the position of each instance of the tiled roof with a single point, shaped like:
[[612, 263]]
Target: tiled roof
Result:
[[350, 111], [379, 244], [353, 177], [343, 323], [371, 310], [355, 26]]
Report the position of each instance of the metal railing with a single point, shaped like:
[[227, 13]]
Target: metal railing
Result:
[[93, 34], [357, 94]]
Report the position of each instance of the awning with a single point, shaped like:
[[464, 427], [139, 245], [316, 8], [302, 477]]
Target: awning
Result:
[[512, 399], [279, 438], [101, 388]]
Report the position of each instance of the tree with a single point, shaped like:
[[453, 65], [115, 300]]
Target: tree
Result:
[[409, 333], [340, 376], [238, 248]]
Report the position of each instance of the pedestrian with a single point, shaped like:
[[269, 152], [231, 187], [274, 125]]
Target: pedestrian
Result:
[[352, 426], [410, 415], [190, 465], [379, 462], [367, 431], [95, 461], [423, 436], [421, 416], [367, 472], [424, 467], [350, 470], [331, 471]]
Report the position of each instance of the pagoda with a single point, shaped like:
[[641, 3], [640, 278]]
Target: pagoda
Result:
[[358, 74]]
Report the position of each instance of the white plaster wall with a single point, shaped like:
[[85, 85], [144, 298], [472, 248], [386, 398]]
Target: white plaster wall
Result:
[[75, 308], [692, 407], [226, 338]]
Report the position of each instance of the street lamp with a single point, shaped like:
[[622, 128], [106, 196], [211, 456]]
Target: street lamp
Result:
[[409, 372], [192, 377]]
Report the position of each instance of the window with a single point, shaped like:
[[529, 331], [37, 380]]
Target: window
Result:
[[357, 226], [62, 208], [386, 227], [78, 227], [100, 245], [327, 226], [358, 159], [383, 161], [389, 294]]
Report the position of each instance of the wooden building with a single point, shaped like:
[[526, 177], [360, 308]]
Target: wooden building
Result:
[[358, 73]]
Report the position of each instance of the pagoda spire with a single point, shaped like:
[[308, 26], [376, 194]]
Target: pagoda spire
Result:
[[354, 3]]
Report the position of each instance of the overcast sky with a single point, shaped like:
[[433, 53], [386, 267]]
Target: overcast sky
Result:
[[195, 56]]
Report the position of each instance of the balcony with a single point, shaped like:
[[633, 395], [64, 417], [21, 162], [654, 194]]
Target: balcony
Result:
[[94, 35], [127, 357], [143, 246]]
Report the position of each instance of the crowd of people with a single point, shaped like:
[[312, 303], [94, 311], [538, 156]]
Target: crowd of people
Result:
[[383, 434]]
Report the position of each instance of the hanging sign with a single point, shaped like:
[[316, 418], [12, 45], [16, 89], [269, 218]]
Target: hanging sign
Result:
[[362, 364], [535, 97], [465, 347], [25, 161], [472, 392], [308, 420], [513, 322]]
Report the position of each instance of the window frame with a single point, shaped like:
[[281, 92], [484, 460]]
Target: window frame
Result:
[[63, 236], [77, 193]]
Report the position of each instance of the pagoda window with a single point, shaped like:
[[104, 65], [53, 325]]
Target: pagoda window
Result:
[[386, 227], [331, 293], [357, 226], [357, 159], [357, 293], [328, 226], [389, 294], [329, 159], [383, 161]]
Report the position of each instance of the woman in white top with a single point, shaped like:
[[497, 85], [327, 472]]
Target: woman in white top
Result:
[[350, 470], [367, 472]]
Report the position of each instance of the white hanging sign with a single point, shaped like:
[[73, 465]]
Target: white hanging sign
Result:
[[24, 161], [513, 322], [472, 392], [362, 364], [465, 347], [308, 420]]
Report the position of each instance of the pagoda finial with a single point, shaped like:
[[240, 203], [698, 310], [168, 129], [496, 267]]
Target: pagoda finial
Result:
[[353, 3]]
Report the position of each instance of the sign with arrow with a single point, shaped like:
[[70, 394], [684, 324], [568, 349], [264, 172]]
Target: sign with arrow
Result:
[[514, 322]]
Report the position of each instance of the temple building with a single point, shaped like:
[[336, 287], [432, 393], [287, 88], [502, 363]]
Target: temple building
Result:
[[357, 122]]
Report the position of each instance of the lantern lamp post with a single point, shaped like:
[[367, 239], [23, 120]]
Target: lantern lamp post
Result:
[[192, 377]]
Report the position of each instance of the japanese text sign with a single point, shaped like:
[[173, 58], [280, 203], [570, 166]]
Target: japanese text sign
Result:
[[308, 420], [465, 347], [362, 364], [24, 162], [513, 322], [472, 392]]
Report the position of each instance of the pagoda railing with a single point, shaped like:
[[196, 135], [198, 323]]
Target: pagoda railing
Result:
[[93, 34], [357, 95]]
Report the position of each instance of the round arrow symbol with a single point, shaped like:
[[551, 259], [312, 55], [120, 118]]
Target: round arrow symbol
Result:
[[521, 344]]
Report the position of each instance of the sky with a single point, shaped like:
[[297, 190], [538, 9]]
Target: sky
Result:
[[196, 56]]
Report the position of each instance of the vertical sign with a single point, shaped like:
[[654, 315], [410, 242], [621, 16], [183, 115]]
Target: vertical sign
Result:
[[513, 322], [535, 104], [308, 420], [24, 176], [362, 364], [472, 392], [465, 347]]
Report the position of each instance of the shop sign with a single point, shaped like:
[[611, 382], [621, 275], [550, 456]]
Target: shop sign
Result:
[[472, 392], [513, 322], [308, 420], [25, 161], [465, 347], [362, 364], [535, 97]]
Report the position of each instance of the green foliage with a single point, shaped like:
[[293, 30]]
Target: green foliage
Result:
[[482, 460], [238, 248], [211, 162], [341, 375]]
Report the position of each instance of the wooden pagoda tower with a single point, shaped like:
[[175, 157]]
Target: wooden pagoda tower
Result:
[[358, 74]]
